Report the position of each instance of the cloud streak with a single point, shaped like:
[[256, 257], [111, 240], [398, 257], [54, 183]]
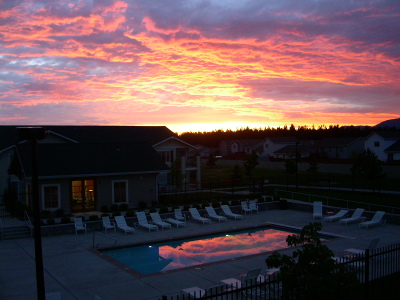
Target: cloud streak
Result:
[[187, 63]]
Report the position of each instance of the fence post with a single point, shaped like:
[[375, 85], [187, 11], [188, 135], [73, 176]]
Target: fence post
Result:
[[366, 278]]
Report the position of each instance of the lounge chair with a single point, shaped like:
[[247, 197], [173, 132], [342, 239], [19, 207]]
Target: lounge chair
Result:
[[175, 222], [253, 206], [372, 246], [79, 226], [142, 220], [227, 212], [155, 216], [195, 292], [376, 220], [245, 207], [317, 213], [339, 215], [179, 215], [213, 215], [121, 224], [356, 217], [196, 216], [107, 224], [251, 277]]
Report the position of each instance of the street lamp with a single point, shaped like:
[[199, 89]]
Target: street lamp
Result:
[[33, 134]]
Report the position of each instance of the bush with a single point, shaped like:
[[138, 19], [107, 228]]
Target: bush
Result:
[[93, 218], [116, 213], [115, 207], [59, 212], [130, 214], [65, 220], [104, 209], [45, 214], [163, 210], [105, 215], [142, 204], [123, 207], [50, 221]]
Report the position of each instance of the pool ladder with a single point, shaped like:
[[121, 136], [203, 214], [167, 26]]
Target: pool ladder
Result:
[[102, 234]]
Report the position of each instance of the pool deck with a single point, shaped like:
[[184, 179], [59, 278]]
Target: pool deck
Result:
[[71, 267]]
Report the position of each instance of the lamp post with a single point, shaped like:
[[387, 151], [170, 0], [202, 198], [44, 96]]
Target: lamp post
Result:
[[33, 134], [297, 168]]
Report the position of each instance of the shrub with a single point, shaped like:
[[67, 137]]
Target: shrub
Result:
[[142, 204], [104, 209], [123, 207], [163, 210], [93, 218], [130, 214], [65, 220], [105, 215], [59, 212], [116, 213], [50, 221], [45, 213], [115, 207]]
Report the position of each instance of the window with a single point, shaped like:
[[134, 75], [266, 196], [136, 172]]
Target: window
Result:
[[376, 144], [120, 191], [51, 196]]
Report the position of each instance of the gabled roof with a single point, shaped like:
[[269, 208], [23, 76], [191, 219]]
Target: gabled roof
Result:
[[70, 160], [337, 142], [388, 135], [250, 142], [394, 147], [177, 139], [94, 134], [282, 139], [292, 149]]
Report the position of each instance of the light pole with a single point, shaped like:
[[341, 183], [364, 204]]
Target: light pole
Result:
[[33, 134], [297, 167]]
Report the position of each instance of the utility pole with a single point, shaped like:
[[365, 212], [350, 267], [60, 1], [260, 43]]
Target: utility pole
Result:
[[33, 134]]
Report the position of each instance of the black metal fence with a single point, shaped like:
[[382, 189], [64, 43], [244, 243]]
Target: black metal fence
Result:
[[377, 271]]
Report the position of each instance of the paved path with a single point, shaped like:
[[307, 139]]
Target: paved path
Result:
[[72, 268]]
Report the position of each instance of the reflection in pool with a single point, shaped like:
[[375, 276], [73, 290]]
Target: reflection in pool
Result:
[[196, 251]]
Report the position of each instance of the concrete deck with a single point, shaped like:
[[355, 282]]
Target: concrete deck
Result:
[[73, 269]]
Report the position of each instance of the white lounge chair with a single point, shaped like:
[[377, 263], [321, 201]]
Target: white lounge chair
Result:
[[227, 212], [376, 220], [213, 215], [245, 207], [175, 222], [339, 215], [179, 215], [317, 213], [251, 277], [356, 217], [107, 224], [194, 292], [142, 220], [79, 226], [196, 216], [372, 246], [121, 224], [253, 206], [155, 216]]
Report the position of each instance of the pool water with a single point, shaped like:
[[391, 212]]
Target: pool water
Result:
[[172, 255]]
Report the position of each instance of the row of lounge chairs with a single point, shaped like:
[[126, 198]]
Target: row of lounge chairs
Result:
[[354, 218], [157, 222]]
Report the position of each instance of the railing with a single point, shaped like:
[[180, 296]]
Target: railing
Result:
[[104, 235], [334, 201], [373, 269]]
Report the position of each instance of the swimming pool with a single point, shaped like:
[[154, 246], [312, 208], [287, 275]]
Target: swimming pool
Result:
[[191, 252]]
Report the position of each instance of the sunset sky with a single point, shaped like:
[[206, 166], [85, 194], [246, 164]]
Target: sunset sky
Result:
[[199, 65]]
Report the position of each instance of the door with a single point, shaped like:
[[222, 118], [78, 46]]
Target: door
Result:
[[83, 195]]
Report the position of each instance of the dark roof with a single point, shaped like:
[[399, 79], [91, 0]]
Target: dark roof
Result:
[[388, 134], [66, 160], [283, 139], [394, 147], [95, 134], [338, 142], [292, 149]]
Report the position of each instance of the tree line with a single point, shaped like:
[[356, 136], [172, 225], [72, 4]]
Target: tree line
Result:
[[213, 138]]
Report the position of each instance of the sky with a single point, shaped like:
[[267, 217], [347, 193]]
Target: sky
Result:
[[199, 65]]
